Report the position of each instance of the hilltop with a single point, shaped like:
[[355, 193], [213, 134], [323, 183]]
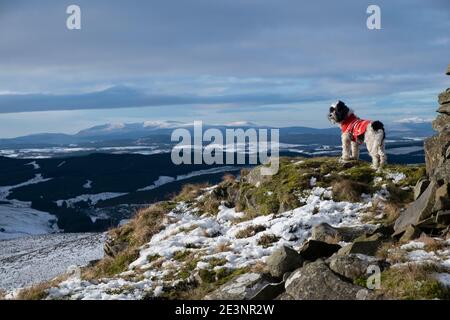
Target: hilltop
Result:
[[318, 218]]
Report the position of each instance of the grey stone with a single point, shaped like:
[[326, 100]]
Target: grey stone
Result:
[[417, 210], [269, 291], [420, 187], [313, 250], [241, 288], [284, 296], [444, 109], [352, 266], [367, 246], [326, 233], [442, 198], [444, 97], [443, 217], [435, 150], [411, 233], [283, 260], [316, 281], [441, 123]]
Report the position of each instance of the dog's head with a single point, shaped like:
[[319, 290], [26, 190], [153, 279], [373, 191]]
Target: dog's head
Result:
[[338, 112]]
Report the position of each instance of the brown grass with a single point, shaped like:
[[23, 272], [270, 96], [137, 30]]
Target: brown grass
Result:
[[229, 178], [349, 190], [266, 240], [413, 282], [131, 236], [222, 247], [39, 291], [250, 231], [432, 244], [191, 191]]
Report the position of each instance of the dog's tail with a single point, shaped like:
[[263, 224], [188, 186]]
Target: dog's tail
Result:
[[378, 125]]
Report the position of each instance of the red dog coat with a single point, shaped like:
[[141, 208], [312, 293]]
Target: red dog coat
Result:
[[355, 126]]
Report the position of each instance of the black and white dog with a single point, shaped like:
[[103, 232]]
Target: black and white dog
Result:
[[355, 131]]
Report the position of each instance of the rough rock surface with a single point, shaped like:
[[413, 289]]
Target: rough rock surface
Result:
[[418, 210], [365, 245], [313, 250], [316, 281], [420, 187], [243, 287], [352, 266], [326, 233], [283, 260]]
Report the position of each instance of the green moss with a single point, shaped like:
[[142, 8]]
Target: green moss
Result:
[[413, 173], [361, 173], [214, 262], [182, 255], [412, 284], [153, 257]]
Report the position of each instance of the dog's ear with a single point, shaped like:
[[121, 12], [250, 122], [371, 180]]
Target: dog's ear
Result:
[[341, 107]]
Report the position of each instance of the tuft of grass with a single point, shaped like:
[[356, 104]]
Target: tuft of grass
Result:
[[413, 282], [267, 240], [182, 255], [129, 237], [349, 190], [362, 173], [190, 192], [39, 291], [250, 231], [111, 266]]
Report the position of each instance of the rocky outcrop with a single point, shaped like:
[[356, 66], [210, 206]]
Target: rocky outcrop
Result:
[[431, 203]]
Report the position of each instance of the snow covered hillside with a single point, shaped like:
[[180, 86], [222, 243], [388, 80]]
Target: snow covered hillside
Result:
[[207, 237], [30, 260]]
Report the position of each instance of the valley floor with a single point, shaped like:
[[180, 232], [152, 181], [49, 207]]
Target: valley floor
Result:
[[30, 260]]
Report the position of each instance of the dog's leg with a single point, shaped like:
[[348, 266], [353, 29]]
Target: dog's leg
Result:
[[346, 146], [372, 148], [355, 150], [382, 154]]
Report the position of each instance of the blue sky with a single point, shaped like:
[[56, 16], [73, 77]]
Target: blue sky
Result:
[[277, 62]]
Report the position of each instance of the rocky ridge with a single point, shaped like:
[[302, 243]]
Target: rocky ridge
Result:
[[318, 229]]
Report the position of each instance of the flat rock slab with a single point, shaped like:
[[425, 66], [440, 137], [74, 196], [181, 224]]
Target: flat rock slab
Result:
[[417, 211], [243, 287]]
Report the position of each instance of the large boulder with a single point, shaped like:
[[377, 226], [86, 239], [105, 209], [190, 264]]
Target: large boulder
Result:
[[282, 260], [313, 250], [243, 287], [326, 233], [352, 266], [316, 281], [417, 211]]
